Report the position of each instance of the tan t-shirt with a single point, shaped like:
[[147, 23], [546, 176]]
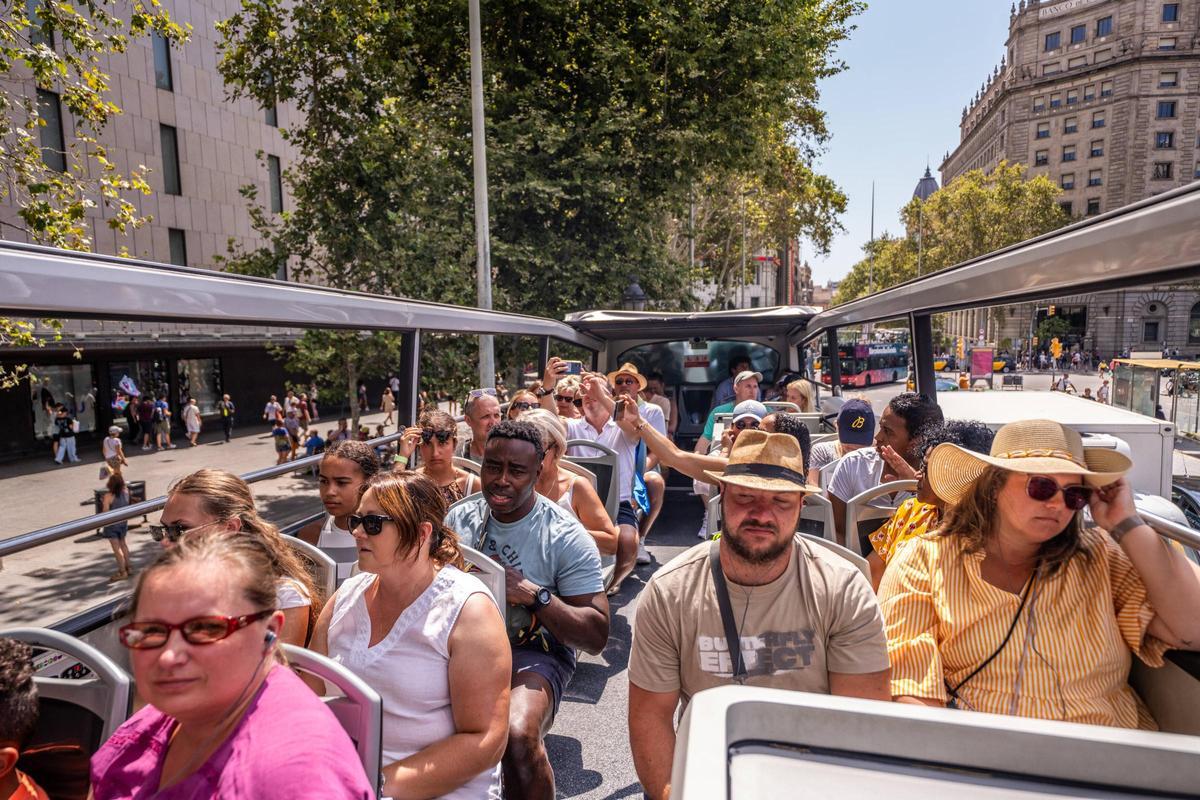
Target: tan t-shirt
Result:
[[819, 616]]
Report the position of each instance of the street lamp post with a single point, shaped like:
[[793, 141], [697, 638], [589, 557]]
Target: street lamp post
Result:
[[483, 247], [633, 299]]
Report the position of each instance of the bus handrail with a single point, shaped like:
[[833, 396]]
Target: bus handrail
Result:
[[27, 541], [1172, 530]]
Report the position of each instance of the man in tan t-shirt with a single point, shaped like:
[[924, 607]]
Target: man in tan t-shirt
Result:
[[806, 618]]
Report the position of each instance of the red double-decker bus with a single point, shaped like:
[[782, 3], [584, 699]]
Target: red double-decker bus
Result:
[[869, 364]]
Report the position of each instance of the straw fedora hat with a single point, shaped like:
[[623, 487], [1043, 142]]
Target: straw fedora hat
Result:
[[1032, 446], [769, 461], [628, 368]]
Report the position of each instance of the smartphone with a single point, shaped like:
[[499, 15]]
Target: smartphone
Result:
[[574, 367], [619, 411]]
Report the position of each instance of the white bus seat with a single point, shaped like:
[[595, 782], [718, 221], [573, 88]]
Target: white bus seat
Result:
[[358, 707], [488, 571], [466, 465], [817, 438], [816, 517], [774, 406], [322, 565], [742, 742], [712, 516], [825, 474], [106, 693], [1171, 694], [835, 548], [579, 469], [601, 462], [863, 519]]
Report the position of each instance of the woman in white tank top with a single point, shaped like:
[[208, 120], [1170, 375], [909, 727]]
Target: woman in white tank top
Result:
[[429, 638], [570, 490], [342, 479]]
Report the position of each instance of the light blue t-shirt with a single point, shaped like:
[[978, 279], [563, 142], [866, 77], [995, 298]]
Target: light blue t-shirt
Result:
[[548, 545]]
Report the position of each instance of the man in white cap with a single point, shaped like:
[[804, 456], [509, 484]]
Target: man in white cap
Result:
[[745, 387], [805, 619]]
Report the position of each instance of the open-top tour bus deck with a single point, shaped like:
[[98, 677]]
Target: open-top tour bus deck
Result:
[[736, 741]]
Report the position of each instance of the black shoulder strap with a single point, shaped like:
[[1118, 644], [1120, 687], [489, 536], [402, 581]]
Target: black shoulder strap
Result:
[[732, 640]]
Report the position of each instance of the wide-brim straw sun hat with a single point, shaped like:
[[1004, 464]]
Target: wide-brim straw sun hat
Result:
[[630, 369], [768, 461], [1031, 447]]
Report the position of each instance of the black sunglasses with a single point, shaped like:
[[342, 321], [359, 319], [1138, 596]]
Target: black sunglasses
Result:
[[575, 401], [743, 424], [172, 533], [625, 382], [442, 436], [1041, 489], [523, 406], [371, 523], [197, 630]]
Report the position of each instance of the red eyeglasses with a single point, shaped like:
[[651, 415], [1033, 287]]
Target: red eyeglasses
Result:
[[1041, 488], [197, 630]]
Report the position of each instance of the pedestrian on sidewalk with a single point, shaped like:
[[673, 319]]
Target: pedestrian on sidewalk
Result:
[[273, 412], [67, 426], [362, 398], [117, 496], [292, 426], [387, 404], [146, 420], [162, 424], [226, 409], [283, 443], [303, 412], [114, 451], [191, 420]]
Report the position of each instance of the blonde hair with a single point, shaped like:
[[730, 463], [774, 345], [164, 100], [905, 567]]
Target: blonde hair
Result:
[[976, 516], [550, 427], [224, 496], [411, 498], [806, 393], [523, 393], [569, 385]]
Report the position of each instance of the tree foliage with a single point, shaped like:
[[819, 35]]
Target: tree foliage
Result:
[[338, 360], [601, 120], [975, 214]]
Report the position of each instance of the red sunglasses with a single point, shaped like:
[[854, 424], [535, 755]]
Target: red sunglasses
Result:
[[1041, 488]]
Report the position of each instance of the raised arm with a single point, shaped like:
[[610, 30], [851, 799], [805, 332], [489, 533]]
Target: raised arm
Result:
[[555, 368], [591, 512], [691, 464]]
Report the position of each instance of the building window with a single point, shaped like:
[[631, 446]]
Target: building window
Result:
[[1089, 93], [1166, 43], [1164, 140], [1068, 152], [72, 384], [1166, 109], [1170, 12], [199, 379], [50, 135], [1196, 172], [1052, 69], [1072, 97], [1053, 41], [1104, 26], [1055, 100], [177, 242], [1103, 55], [1163, 170], [1106, 88], [37, 27], [271, 115], [1194, 324], [1098, 119], [170, 156], [274, 175], [1067, 207], [162, 61], [1041, 158], [1096, 177], [1043, 130], [1093, 206], [1067, 181], [1078, 34], [1097, 148], [1077, 63], [1039, 104], [1070, 124], [1150, 330], [1168, 80]]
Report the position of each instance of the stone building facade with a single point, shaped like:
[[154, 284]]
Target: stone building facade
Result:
[[1101, 96]]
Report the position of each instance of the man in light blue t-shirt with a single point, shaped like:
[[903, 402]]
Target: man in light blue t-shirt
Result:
[[745, 387], [554, 588]]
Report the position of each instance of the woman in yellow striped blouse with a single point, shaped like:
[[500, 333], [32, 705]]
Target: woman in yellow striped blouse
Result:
[[1013, 607]]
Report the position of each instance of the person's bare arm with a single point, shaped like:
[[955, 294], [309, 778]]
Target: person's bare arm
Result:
[[578, 621], [652, 738], [867, 685], [691, 464], [555, 369], [919, 701], [319, 643], [295, 626], [839, 516], [592, 514], [311, 532], [480, 671]]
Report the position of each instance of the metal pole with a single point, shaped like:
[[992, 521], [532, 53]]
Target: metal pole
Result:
[[871, 249], [920, 236], [483, 247], [742, 273]]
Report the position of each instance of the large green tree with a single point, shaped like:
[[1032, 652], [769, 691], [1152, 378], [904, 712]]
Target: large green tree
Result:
[[602, 119], [975, 214]]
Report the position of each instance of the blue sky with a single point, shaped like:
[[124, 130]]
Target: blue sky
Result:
[[912, 66]]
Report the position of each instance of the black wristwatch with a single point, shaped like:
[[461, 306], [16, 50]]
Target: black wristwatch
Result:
[[542, 391], [541, 599]]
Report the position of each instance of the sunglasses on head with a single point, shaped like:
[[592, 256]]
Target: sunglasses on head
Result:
[[522, 406], [575, 401], [172, 533], [197, 630], [743, 424], [475, 394], [372, 524], [442, 436], [1041, 489]]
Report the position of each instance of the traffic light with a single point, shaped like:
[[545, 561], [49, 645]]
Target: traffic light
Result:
[[1050, 312], [1035, 341], [1056, 347], [960, 350]]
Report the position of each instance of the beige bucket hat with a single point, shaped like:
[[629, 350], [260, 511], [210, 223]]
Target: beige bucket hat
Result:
[[1033, 446], [630, 369], [768, 461]]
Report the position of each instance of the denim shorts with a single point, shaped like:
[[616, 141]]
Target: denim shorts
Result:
[[555, 663], [626, 515]]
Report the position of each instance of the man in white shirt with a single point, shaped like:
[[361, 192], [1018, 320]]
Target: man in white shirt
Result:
[[897, 439], [628, 383]]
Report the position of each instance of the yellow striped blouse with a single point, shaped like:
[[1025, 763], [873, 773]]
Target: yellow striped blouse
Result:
[[1069, 655]]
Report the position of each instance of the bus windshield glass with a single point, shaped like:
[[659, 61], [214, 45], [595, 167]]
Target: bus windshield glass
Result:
[[699, 361]]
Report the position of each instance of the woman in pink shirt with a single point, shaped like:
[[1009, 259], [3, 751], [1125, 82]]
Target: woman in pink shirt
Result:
[[226, 718]]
